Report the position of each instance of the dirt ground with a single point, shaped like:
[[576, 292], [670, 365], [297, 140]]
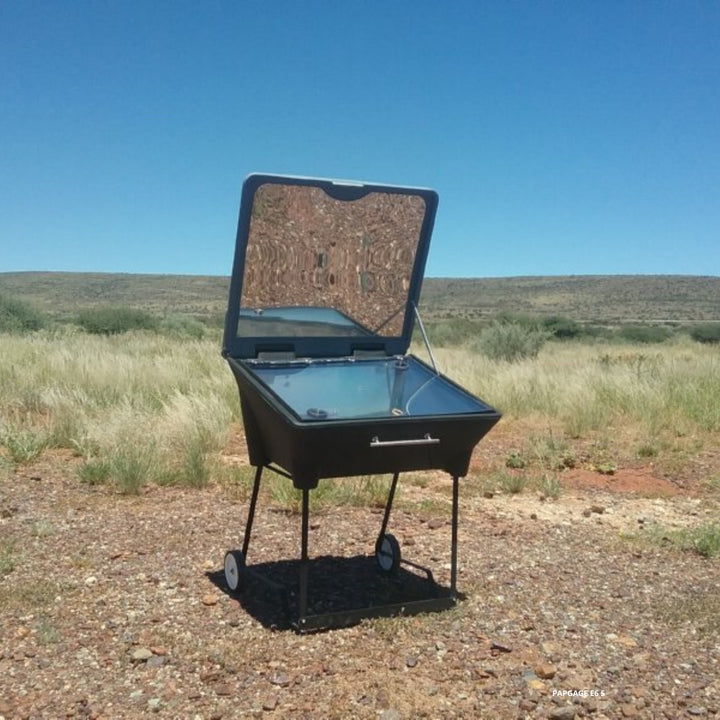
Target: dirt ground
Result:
[[582, 606]]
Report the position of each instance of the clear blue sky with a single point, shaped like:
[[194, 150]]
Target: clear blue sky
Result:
[[563, 137]]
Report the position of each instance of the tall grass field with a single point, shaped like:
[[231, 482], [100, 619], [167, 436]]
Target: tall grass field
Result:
[[142, 407]]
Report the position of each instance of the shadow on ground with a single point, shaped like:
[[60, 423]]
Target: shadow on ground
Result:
[[338, 585]]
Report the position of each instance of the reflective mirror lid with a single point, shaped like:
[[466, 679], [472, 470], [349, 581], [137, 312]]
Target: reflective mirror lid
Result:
[[326, 268]]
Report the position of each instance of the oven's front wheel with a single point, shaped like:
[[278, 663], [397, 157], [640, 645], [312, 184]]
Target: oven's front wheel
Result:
[[387, 553], [234, 570]]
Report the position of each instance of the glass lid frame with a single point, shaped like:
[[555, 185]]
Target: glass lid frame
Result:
[[326, 268]]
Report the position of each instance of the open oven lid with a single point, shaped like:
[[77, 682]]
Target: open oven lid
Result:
[[326, 268]]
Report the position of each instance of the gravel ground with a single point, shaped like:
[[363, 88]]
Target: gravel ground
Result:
[[114, 607]]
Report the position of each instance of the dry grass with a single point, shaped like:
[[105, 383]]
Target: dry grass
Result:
[[147, 408], [138, 407], [661, 398]]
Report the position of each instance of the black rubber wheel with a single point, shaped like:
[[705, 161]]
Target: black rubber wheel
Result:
[[387, 554], [234, 570]]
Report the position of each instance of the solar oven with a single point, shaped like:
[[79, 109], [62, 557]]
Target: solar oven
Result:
[[322, 307]]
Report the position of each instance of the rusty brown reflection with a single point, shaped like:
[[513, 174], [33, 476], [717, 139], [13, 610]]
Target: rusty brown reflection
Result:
[[306, 248]]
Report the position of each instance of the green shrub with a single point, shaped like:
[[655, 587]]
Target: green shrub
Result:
[[709, 333], [17, 316], [182, 326], [515, 460], [702, 539], [706, 540], [94, 472], [195, 470], [23, 445], [550, 487], [111, 321], [130, 467], [8, 558], [512, 484], [562, 328], [645, 333], [450, 332], [511, 341]]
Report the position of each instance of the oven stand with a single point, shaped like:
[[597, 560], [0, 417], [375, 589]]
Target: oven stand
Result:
[[387, 552]]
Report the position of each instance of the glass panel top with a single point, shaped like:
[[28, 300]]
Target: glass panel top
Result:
[[321, 266], [345, 389]]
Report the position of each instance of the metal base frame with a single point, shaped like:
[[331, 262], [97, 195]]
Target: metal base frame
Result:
[[307, 623]]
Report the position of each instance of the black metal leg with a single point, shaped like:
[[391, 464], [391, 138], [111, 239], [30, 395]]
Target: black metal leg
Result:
[[251, 511], [454, 541], [302, 614], [388, 506]]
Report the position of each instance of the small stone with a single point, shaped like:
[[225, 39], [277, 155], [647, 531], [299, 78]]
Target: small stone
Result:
[[533, 516], [500, 648], [89, 581], [628, 710], [155, 662], [224, 689], [587, 512], [546, 671], [159, 650], [280, 679], [537, 685], [566, 712], [627, 641], [209, 600], [390, 714], [154, 704], [435, 523], [488, 494], [527, 704], [697, 710], [141, 655], [411, 661], [208, 676], [597, 509], [549, 647], [270, 703]]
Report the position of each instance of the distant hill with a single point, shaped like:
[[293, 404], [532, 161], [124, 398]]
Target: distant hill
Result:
[[606, 299], [603, 299]]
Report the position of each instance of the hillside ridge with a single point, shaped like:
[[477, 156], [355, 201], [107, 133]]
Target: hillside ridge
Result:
[[653, 299]]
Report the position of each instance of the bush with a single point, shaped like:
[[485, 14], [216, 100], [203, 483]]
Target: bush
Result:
[[450, 332], [562, 328], [111, 321], [182, 326], [511, 341], [645, 333], [709, 333], [18, 316]]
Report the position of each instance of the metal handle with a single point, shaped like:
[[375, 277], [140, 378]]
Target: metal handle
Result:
[[427, 440]]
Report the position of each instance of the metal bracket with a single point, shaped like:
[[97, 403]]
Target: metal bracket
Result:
[[425, 338]]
